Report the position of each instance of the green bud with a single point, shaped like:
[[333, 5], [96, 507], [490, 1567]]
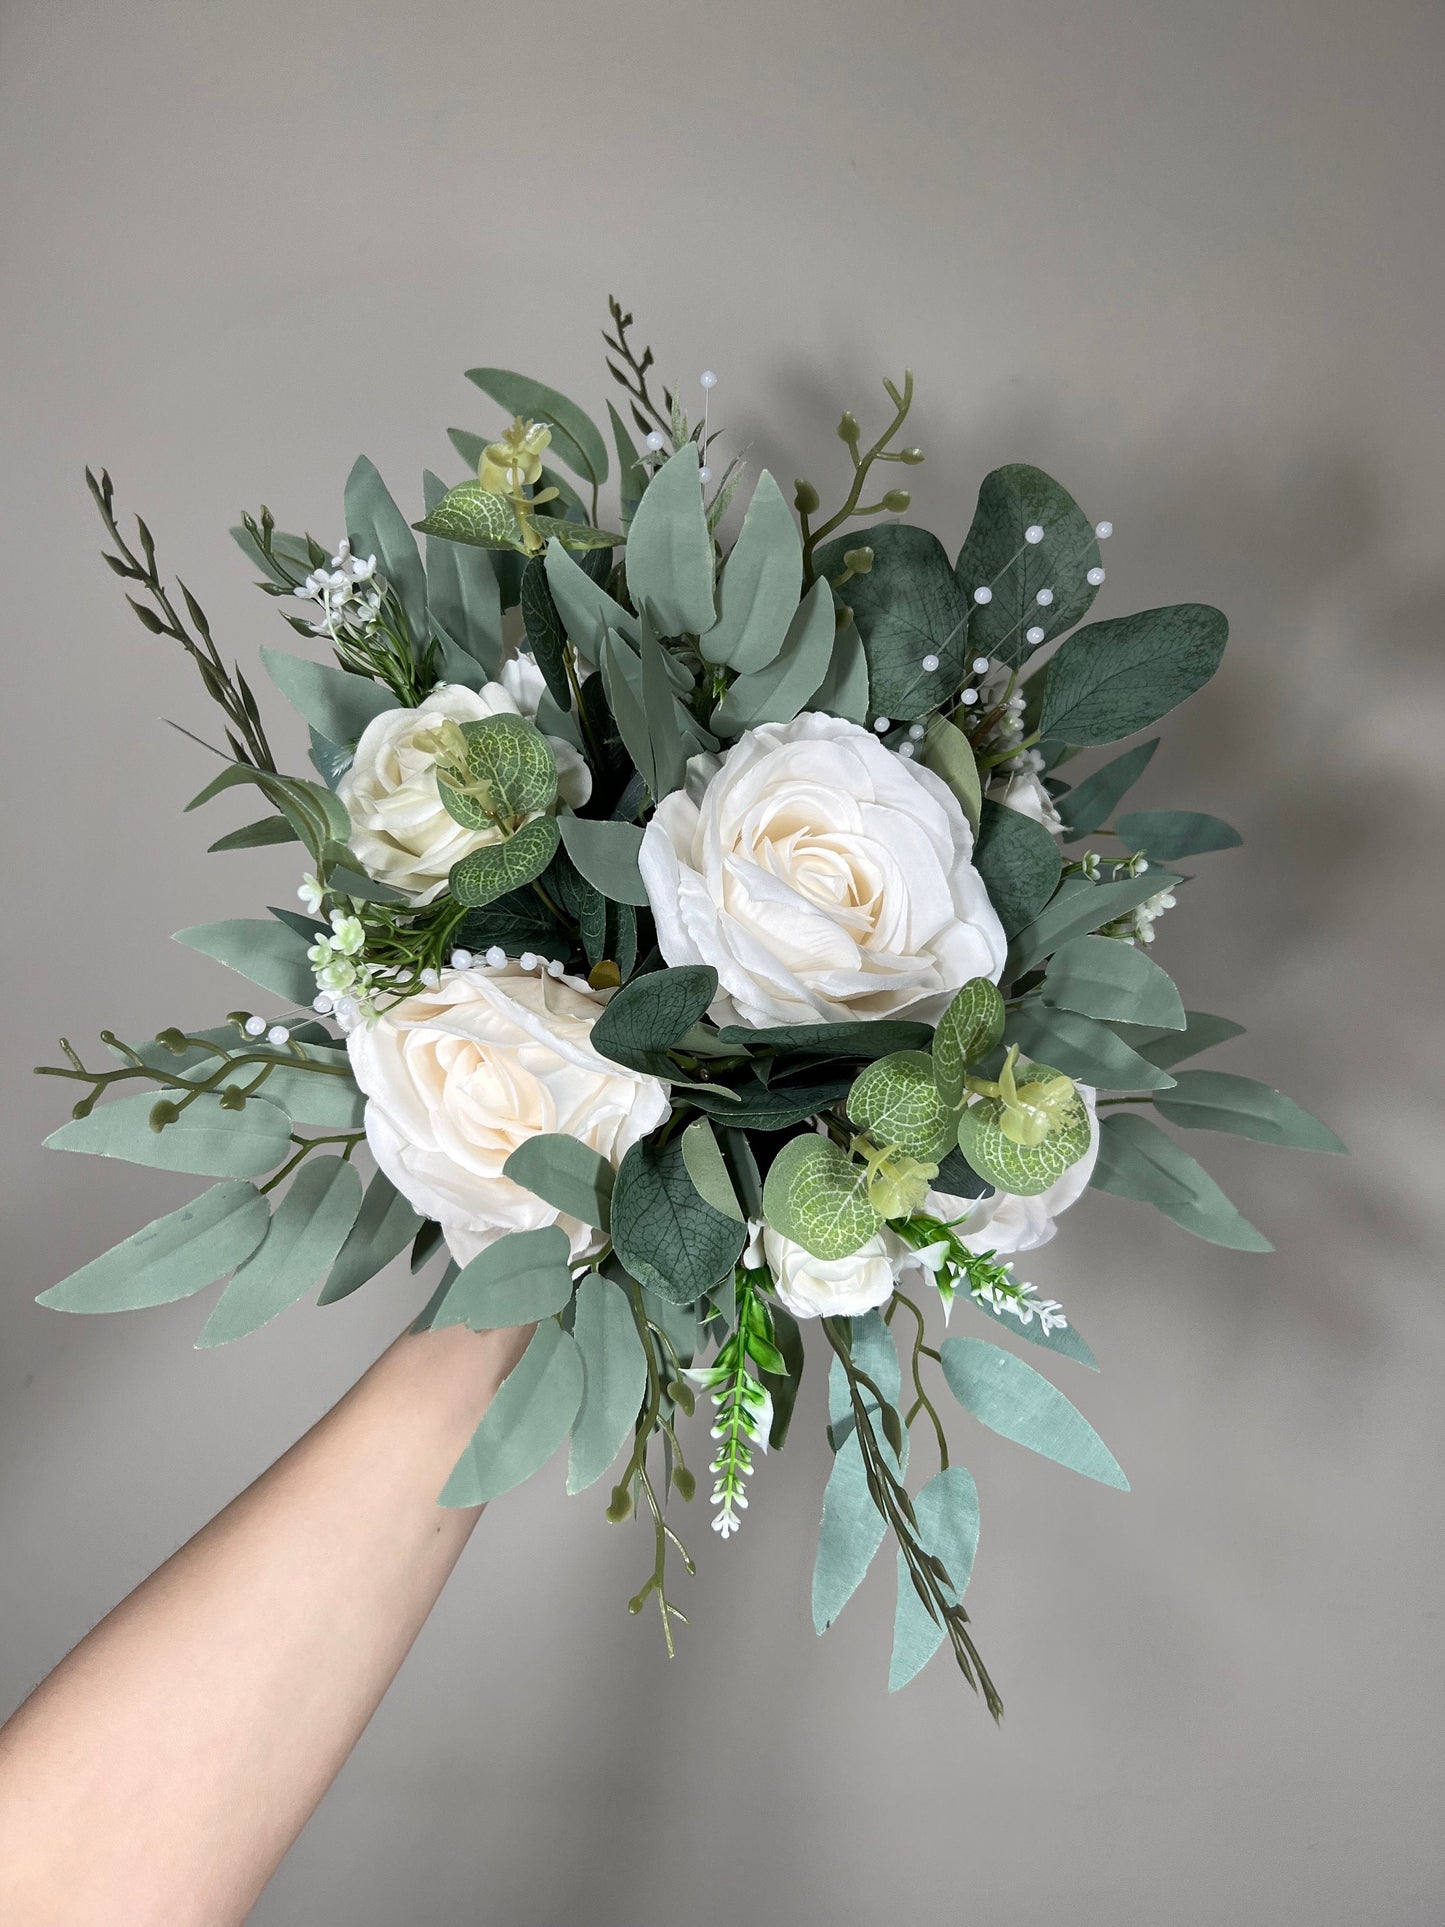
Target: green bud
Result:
[[848, 428], [163, 1112], [172, 1040], [686, 1484], [84, 1108], [896, 500], [238, 1018], [913, 456], [109, 1037], [682, 1396], [233, 1098], [805, 496], [619, 1506], [860, 561], [638, 1601]]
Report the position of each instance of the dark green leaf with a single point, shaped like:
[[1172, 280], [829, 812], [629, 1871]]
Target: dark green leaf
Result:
[[648, 1016], [1113, 678], [835, 1040], [1089, 805], [907, 606], [1221, 1101], [665, 1233], [1019, 862], [998, 556], [1169, 834]]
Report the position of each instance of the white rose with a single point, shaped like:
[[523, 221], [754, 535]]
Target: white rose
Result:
[[1023, 791], [830, 1287], [401, 833], [457, 1077], [823, 876]]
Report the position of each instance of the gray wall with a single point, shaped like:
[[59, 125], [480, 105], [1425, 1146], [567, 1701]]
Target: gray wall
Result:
[[1184, 257]]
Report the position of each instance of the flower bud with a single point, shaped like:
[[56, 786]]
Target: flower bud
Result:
[[686, 1484], [805, 496], [860, 561], [848, 428], [896, 500], [163, 1112], [913, 456]]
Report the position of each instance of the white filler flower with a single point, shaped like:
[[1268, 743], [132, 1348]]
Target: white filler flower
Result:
[[401, 833], [824, 878], [457, 1077]]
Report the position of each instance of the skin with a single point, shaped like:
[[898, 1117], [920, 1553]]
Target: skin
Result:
[[163, 1769]]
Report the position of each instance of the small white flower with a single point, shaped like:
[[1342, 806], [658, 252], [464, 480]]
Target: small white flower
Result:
[[311, 894]]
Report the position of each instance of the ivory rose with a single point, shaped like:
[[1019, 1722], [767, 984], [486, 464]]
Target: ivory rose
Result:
[[457, 1077], [823, 876], [831, 1288]]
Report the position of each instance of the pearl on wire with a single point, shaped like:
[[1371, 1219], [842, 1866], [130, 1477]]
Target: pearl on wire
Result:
[[707, 379], [1095, 577], [1103, 530], [462, 960], [255, 1026], [1034, 533], [655, 440], [1035, 634], [980, 665], [929, 665], [969, 698], [983, 594], [496, 957], [882, 725], [278, 1035]]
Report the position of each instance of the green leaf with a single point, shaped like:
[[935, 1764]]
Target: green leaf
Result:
[[1015, 1401], [1102, 977], [1138, 1160], [565, 1173], [318, 817], [779, 692], [471, 514], [333, 701], [631, 475], [614, 1379], [499, 868], [586, 609], [850, 1534], [606, 854], [996, 555], [949, 754], [1170, 834], [666, 1234], [708, 1171], [844, 690], [205, 1139], [1083, 1048], [377, 527], [1222, 1101], [171, 1258], [575, 441], [524, 1424], [510, 757], [1089, 805], [1020, 865], [525, 1276], [1113, 678], [896, 1101], [784, 1386], [462, 592], [266, 952], [648, 1016], [308, 1230], [817, 1196], [312, 1097], [907, 606], [668, 750], [384, 1227], [967, 1031], [270, 829], [1062, 1340], [945, 1512], [1201, 1032], [875, 1354], [760, 586], [834, 1040], [546, 637], [669, 549], [1023, 1170], [1076, 909]]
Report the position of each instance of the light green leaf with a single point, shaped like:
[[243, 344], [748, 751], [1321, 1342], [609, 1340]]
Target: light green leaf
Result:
[[1169, 834], [967, 1031], [1113, 678], [462, 592], [1019, 862], [1062, 1340], [1082, 1047], [668, 749], [669, 549], [760, 585], [511, 760], [524, 1424], [1201, 1032], [333, 701], [270, 829], [318, 817], [875, 1355], [308, 1230], [1089, 805], [648, 1016], [606, 855], [575, 441], [631, 475], [1221, 1101], [996, 555], [1023, 1170], [566, 1173], [1138, 1160], [614, 1368], [205, 1139], [172, 1257], [1077, 908], [817, 1196], [266, 952], [497, 868], [851, 1532], [384, 1227], [946, 1514], [1102, 977], [471, 514], [586, 609], [708, 1171], [377, 527], [1015, 1401], [312, 1097], [778, 693], [622, 682], [844, 690], [897, 1103], [522, 1277], [665, 1233], [907, 607], [949, 754]]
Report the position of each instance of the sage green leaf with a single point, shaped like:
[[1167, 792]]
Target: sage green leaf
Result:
[[667, 747], [462, 592], [817, 1196], [318, 817], [875, 1355], [907, 607], [779, 692], [520, 1278], [834, 1040], [949, 754], [614, 1379], [1201, 1032], [664, 1231], [844, 690], [997, 555], [648, 1016], [270, 829], [1019, 862], [1023, 1170], [669, 549], [945, 1512], [1076, 909], [1082, 1048], [1018, 1403], [967, 1031], [510, 758], [897, 1103], [470, 447], [497, 868], [760, 584], [385, 1226], [1113, 678], [524, 1424], [631, 475], [1089, 805], [172, 1257], [851, 1532], [546, 637], [1102, 977], [1138, 1160], [312, 1096], [679, 1324], [292, 550], [471, 514], [708, 1171], [575, 441], [308, 1230], [333, 701], [1170, 834], [586, 609], [1222, 1101], [622, 682], [266, 952], [376, 526], [606, 854], [1062, 1340], [565, 1173], [205, 1139]]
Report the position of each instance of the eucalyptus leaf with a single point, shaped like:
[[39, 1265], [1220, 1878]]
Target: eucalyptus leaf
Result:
[[1076, 911], [205, 1139], [908, 607], [614, 1379], [518, 1279], [1018, 1403], [463, 595], [497, 869], [1062, 1340], [333, 701], [306, 1233], [1082, 1048], [896, 1101], [266, 952], [817, 1196], [525, 1423], [1170, 834], [1023, 1170], [1116, 677], [851, 1532], [754, 1106], [586, 609], [1019, 862], [631, 475], [945, 1513], [376, 526], [844, 690], [648, 1016], [546, 636], [385, 1226], [575, 439], [706, 1168], [565, 1173], [606, 854], [998, 555], [968, 1030], [1105, 978], [1201, 1032], [172, 1257], [669, 549], [777, 693], [473, 515], [760, 585], [1138, 1160], [1089, 805], [666, 1234], [1222, 1101], [668, 748], [949, 754]]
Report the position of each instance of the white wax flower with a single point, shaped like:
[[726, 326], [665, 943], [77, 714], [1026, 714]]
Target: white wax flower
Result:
[[401, 833], [822, 876], [458, 1076]]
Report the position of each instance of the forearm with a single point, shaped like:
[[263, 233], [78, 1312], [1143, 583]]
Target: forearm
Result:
[[164, 1768]]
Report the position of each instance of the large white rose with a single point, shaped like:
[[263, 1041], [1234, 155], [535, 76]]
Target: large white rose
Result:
[[830, 1288], [823, 877], [401, 833], [457, 1077]]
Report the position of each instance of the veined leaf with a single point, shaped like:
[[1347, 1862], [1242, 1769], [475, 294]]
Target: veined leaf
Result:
[[306, 1233], [524, 1424], [1019, 862], [614, 1379], [1018, 1403], [648, 1016], [665, 1233], [817, 1196], [967, 1031], [908, 608], [998, 555], [499, 868], [462, 591], [1113, 678], [172, 1257], [1023, 1170], [896, 1101], [575, 440], [1104, 978]]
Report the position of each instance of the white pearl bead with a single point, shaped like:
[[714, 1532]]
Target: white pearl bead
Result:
[[1095, 576], [916, 732], [929, 665], [496, 957], [322, 1002], [461, 960], [983, 594], [905, 750], [528, 960], [278, 1034], [1044, 598], [655, 439], [255, 1026], [1035, 634], [707, 378], [969, 698], [704, 474], [554, 967], [1034, 533], [882, 725], [980, 665], [1103, 530]]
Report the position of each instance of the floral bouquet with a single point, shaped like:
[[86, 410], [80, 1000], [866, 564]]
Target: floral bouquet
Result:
[[704, 939]]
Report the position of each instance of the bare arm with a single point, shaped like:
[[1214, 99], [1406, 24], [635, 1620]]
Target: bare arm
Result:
[[162, 1770]]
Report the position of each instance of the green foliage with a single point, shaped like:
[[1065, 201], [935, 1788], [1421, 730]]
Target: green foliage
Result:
[[760, 585], [575, 440], [868, 1040], [523, 1276], [1022, 1169], [1020, 865], [949, 754], [648, 1016], [471, 514], [524, 1424], [1113, 678], [511, 769], [664, 1231], [754, 1106], [1221, 1101], [499, 868], [670, 552], [896, 1101], [207, 1138], [614, 1379], [1138, 1160], [1102, 977], [606, 854], [1082, 1047], [1076, 909], [1169, 834], [463, 595], [967, 1032], [631, 475], [996, 555], [318, 818], [1089, 805], [565, 1173], [173, 1257], [385, 1226], [546, 637], [850, 1534], [844, 690], [707, 1169], [907, 606], [945, 1512], [306, 1233], [377, 527], [1015, 1401], [586, 609], [817, 1196], [253, 836], [334, 701], [1201, 1032], [258, 948], [777, 693]]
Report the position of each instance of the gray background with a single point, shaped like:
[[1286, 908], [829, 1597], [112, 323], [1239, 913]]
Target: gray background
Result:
[[1187, 259]]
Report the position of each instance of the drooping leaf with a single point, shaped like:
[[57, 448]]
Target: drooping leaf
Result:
[[669, 549], [575, 440], [377, 527], [1083, 1048], [205, 1138], [949, 754], [253, 836], [1019, 862], [777, 693], [760, 585], [520, 1278], [1138, 1160], [1018, 1403], [967, 1031], [1089, 805], [648, 1016], [606, 854], [754, 1106], [385, 1226], [463, 596], [172, 1257], [333, 701], [318, 817], [1169, 834], [586, 609], [896, 1101], [1222, 1101], [1062, 1340], [566, 1173], [664, 1231], [908, 607], [817, 1196], [945, 1512], [499, 868], [851, 1532], [266, 952], [307, 1231], [997, 555], [614, 1379], [1116, 677], [1102, 977], [707, 1169], [524, 1424], [1201, 1032]]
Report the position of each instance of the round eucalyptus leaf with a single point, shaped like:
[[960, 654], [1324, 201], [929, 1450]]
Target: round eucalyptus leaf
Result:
[[896, 1101], [511, 759], [817, 1196], [967, 1031], [497, 868], [1022, 1169]]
